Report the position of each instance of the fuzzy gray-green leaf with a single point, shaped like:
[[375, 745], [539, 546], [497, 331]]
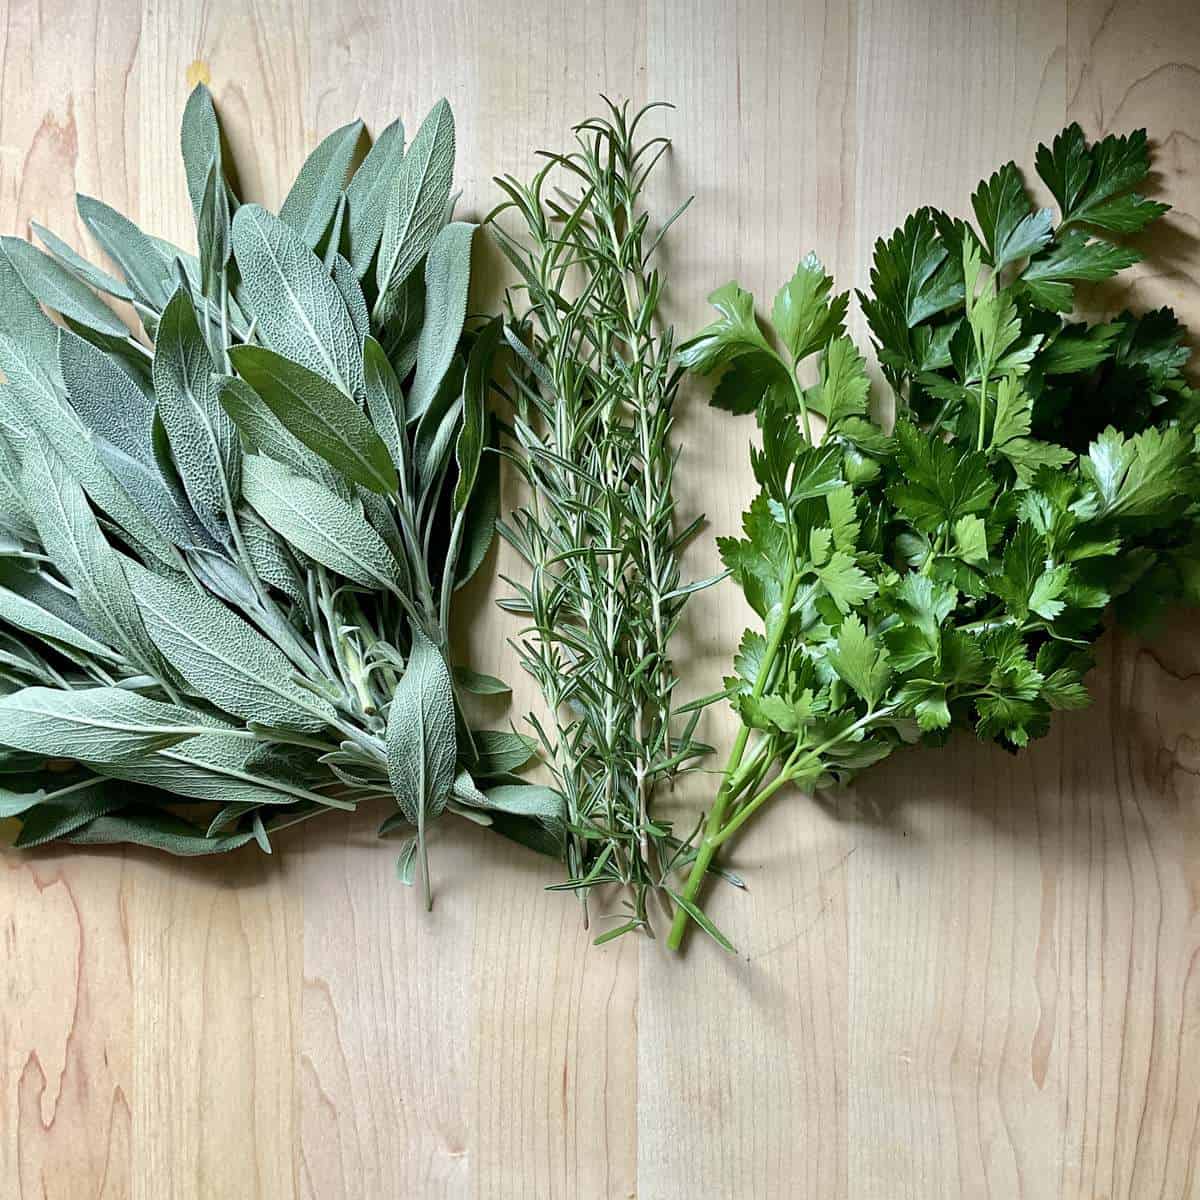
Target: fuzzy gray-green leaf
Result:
[[203, 438], [298, 308], [314, 196], [51, 283], [324, 418], [319, 524], [447, 279], [223, 657], [416, 205], [103, 724], [422, 747], [367, 195]]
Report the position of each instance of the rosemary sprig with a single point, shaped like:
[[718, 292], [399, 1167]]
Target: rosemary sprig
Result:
[[594, 392]]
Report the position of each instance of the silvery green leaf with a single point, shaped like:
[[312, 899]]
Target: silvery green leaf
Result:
[[367, 194], [15, 514], [469, 448], [52, 284], [61, 813], [106, 398], [146, 268], [479, 684], [385, 401], [406, 861], [72, 538], [221, 656], [483, 508], [297, 306], [415, 206], [265, 434], [157, 829], [330, 241], [13, 804], [143, 484], [447, 278], [433, 453], [200, 143], [319, 524], [272, 558], [401, 335], [98, 725], [23, 611], [347, 284], [79, 266], [324, 418], [213, 231], [422, 748], [60, 426], [221, 768], [203, 439], [498, 752], [28, 345], [314, 196], [465, 789]]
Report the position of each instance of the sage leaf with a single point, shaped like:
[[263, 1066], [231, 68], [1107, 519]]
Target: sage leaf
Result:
[[107, 398], [310, 204], [297, 307], [54, 286], [100, 725], [157, 829], [498, 752], [28, 345], [199, 142], [469, 447], [416, 206], [385, 401], [79, 266], [482, 511], [346, 282], [264, 433], [367, 194], [72, 538], [479, 684], [61, 813], [319, 524], [421, 743], [146, 268], [324, 418], [216, 767], [222, 657], [447, 278], [27, 614], [202, 437]]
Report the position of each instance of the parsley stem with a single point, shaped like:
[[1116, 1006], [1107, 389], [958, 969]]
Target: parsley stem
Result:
[[716, 815]]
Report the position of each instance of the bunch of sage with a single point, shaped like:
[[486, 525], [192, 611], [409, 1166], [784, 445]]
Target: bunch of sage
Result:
[[228, 550], [593, 394], [955, 572]]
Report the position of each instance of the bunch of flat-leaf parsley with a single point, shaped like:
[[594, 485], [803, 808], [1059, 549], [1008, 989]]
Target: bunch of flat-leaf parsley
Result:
[[956, 572]]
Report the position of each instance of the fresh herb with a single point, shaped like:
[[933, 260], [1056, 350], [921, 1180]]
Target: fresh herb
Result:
[[593, 392], [227, 560], [955, 573]]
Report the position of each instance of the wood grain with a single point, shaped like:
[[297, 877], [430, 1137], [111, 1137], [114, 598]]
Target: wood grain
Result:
[[973, 976]]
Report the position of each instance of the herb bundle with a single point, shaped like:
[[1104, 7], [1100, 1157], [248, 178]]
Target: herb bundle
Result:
[[227, 558], [593, 393], [955, 573]]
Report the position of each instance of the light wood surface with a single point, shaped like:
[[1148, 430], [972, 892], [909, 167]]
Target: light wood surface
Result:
[[973, 977]]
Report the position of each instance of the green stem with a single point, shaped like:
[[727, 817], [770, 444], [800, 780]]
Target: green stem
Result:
[[712, 826]]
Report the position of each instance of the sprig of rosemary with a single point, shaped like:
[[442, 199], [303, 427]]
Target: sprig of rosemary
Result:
[[594, 391]]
